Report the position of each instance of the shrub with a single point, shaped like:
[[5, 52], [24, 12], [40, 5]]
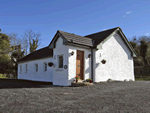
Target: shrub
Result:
[[130, 80], [109, 80], [125, 80], [88, 80]]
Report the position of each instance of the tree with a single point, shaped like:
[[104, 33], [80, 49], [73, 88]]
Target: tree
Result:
[[15, 39], [5, 50], [5, 64], [15, 56], [143, 51], [4, 44], [33, 45], [17, 53], [31, 40]]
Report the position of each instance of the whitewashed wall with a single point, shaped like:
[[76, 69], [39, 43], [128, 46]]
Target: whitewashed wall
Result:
[[119, 62], [41, 75], [60, 76], [72, 63]]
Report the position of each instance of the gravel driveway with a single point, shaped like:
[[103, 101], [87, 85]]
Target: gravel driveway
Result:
[[114, 97]]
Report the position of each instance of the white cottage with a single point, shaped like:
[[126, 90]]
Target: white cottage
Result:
[[100, 56]]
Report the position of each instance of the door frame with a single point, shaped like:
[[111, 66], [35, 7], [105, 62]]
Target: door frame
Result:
[[83, 62]]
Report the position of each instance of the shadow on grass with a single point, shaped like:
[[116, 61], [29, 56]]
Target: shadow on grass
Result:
[[20, 83]]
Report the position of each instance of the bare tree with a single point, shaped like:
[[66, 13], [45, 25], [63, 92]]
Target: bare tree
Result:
[[14, 39], [31, 41]]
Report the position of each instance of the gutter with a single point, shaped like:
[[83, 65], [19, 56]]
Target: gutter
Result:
[[92, 64]]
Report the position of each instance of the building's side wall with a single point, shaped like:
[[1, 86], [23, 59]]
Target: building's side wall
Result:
[[72, 63], [60, 76], [31, 74], [119, 62]]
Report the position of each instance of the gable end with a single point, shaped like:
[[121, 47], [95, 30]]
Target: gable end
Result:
[[123, 38], [53, 42]]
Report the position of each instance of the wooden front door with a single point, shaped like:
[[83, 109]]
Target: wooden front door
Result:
[[80, 64]]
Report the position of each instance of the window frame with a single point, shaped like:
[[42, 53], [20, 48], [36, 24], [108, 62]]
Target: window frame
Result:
[[45, 66], [36, 67], [26, 67], [20, 69], [59, 61]]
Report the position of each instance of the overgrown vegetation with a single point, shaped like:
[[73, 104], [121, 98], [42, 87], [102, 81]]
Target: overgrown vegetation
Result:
[[141, 46]]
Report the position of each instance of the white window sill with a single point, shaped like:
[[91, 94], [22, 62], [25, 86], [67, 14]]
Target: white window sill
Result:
[[59, 69]]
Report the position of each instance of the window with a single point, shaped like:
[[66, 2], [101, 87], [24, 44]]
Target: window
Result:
[[20, 68], [45, 66], [36, 67], [26, 67], [60, 62]]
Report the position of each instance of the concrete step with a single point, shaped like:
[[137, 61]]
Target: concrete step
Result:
[[80, 81]]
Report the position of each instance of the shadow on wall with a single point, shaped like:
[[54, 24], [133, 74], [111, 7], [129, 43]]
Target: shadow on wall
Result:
[[88, 70], [97, 64]]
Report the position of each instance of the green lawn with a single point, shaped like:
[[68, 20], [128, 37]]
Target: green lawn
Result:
[[2, 76]]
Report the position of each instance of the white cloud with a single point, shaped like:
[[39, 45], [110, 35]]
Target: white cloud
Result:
[[128, 12], [147, 34]]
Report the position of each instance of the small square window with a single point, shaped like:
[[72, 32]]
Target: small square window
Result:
[[36, 67], [60, 58]]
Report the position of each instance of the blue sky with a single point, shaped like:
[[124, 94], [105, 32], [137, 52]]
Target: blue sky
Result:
[[81, 17]]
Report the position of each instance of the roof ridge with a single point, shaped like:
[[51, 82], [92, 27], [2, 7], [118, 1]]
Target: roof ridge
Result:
[[73, 34], [102, 31], [39, 49]]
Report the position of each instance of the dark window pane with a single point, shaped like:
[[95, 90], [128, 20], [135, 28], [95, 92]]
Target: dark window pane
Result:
[[36, 67], [60, 61], [45, 67]]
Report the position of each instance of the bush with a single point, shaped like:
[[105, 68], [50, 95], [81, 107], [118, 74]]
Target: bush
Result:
[[109, 80], [130, 80], [88, 80], [125, 80]]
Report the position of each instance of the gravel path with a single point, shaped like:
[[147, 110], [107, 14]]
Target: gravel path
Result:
[[114, 97]]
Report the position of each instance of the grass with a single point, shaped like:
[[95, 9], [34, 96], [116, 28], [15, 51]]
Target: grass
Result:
[[2, 76], [143, 79], [142, 74]]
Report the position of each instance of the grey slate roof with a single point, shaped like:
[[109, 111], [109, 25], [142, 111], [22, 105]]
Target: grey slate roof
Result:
[[72, 38], [100, 36], [40, 53]]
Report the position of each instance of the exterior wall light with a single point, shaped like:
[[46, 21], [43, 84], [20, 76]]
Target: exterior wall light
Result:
[[89, 56], [72, 53]]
